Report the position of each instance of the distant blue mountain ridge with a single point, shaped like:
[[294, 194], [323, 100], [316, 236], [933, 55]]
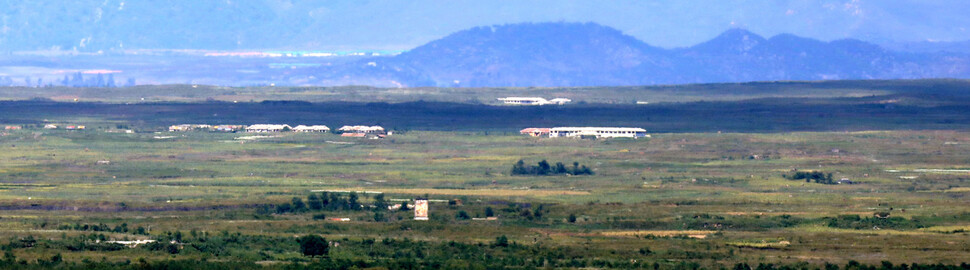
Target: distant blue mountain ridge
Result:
[[589, 54], [522, 55]]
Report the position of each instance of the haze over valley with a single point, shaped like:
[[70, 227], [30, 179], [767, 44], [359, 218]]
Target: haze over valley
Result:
[[531, 54], [472, 134]]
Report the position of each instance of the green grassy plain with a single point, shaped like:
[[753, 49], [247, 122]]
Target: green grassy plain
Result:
[[644, 192], [707, 190]]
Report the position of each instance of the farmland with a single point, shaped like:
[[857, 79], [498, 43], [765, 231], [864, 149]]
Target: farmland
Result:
[[685, 198]]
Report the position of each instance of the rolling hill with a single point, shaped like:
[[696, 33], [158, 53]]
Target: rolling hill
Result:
[[588, 54]]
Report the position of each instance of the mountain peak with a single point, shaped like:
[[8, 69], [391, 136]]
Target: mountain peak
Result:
[[534, 37], [733, 41], [589, 54], [524, 53]]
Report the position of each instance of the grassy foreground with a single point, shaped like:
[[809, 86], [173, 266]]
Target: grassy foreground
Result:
[[681, 200]]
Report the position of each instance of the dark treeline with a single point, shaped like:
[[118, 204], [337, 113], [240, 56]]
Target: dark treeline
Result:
[[877, 221], [74, 80], [816, 176], [326, 202], [761, 115], [403, 253], [543, 168], [705, 221], [101, 227], [387, 253]]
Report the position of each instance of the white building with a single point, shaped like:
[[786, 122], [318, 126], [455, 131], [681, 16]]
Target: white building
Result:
[[228, 128], [533, 101], [183, 127], [361, 129], [188, 127], [560, 101], [267, 128], [131, 244], [313, 128], [598, 132]]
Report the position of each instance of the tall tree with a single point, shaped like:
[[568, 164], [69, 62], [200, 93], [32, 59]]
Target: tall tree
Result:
[[78, 80], [380, 202], [519, 168], [352, 203], [298, 205], [313, 245], [314, 202], [544, 167]]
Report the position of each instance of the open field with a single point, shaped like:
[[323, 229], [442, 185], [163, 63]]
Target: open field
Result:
[[712, 199], [715, 186]]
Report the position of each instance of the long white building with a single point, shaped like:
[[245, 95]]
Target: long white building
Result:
[[361, 129], [267, 128], [598, 132], [313, 128], [533, 101]]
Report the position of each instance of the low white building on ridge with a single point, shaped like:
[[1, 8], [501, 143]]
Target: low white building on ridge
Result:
[[533, 101], [313, 128], [598, 132]]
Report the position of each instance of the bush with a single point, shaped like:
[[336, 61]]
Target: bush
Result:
[[313, 245], [462, 215], [501, 241]]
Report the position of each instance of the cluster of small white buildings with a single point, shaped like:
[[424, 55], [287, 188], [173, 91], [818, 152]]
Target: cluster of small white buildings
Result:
[[268, 128], [312, 128], [587, 132], [284, 127], [533, 101], [190, 127], [67, 127], [347, 131], [250, 128], [46, 126], [363, 131]]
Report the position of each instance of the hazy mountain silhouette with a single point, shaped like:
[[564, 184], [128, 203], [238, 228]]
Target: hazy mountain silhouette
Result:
[[588, 54], [526, 55], [734, 41]]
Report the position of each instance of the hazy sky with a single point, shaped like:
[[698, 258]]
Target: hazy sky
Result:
[[404, 24]]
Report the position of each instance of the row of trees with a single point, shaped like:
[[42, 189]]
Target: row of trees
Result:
[[816, 176], [101, 227], [543, 168], [75, 80], [237, 251], [879, 220], [329, 202]]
